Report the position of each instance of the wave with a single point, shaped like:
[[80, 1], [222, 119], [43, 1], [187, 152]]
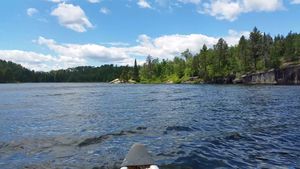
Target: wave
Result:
[[102, 138]]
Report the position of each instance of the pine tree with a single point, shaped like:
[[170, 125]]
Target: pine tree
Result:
[[267, 42], [186, 54], [255, 46], [221, 49], [243, 54], [135, 72], [290, 50], [204, 61]]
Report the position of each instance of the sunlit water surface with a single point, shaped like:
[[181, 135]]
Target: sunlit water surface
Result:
[[92, 125]]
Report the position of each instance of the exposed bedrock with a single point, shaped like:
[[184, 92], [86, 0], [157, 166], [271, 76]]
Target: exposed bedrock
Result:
[[289, 75]]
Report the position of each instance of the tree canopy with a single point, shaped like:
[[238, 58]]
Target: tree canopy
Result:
[[259, 52], [11, 72]]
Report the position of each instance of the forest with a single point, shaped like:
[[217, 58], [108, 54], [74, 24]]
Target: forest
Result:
[[11, 72], [259, 52]]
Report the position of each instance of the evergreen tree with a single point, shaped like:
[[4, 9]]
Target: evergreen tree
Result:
[[204, 61], [267, 42], [186, 54], [259, 52], [255, 46], [297, 47], [243, 54], [221, 53], [135, 72], [125, 74], [290, 50]]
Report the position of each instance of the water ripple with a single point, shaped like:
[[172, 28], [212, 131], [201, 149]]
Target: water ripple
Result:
[[92, 125]]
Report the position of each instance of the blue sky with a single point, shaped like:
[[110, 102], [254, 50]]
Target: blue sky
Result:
[[54, 34]]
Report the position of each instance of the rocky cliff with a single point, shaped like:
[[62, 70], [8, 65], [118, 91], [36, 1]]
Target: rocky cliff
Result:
[[287, 75]]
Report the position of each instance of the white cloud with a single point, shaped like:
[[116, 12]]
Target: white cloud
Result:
[[40, 62], [143, 4], [32, 11], [105, 10], [223, 9], [231, 9], [66, 55], [116, 44], [72, 17], [32, 60], [95, 52], [94, 1], [233, 36], [259, 5], [295, 2], [169, 46], [164, 47]]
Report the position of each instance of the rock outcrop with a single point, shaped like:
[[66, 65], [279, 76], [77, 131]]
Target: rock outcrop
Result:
[[223, 80], [288, 75], [118, 81]]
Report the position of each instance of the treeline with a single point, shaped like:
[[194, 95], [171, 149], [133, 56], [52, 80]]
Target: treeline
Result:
[[259, 52], [11, 72]]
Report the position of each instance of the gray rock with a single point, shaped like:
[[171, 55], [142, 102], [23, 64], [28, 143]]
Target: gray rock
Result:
[[287, 75]]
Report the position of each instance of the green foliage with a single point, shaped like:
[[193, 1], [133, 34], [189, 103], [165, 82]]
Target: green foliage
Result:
[[221, 60], [11, 72], [259, 52], [255, 46], [135, 75], [244, 55], [125, 75]]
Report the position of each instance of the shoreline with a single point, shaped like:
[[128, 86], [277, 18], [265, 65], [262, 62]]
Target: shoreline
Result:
[[225, 84], [287, 75]]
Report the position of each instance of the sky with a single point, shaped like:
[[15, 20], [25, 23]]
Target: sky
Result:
[[45, 35]]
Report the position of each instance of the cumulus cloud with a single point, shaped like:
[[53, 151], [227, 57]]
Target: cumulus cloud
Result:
[[168, 46], [72, 17], [231, 9], [143, 4], [223, 9], [66, 55], [95, 52], [32, 60], [227, 9], [234, 36], [104, 10], [32, 11], [116, 44], [259, 5], [163, 47]]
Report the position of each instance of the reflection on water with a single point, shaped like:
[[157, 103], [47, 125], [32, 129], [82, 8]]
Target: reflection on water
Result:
[[184, 126]]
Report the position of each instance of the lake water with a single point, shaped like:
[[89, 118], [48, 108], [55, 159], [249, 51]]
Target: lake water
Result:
[[92, 125]]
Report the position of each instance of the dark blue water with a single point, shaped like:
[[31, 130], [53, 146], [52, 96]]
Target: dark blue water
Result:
[[184, 126]]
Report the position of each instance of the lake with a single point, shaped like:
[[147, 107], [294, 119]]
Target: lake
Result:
[[93, 125]]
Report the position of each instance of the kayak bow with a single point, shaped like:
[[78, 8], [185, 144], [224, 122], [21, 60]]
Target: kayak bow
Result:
[[138, 158]]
